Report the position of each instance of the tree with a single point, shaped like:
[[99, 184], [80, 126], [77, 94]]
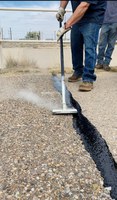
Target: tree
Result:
[[33, 35]]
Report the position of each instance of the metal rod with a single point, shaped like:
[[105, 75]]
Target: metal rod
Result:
[[62, 69], [29, 9]]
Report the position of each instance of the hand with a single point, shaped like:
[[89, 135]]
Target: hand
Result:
[[60, 14], [61, 32]]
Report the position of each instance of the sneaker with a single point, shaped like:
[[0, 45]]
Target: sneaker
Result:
[[99, 66], [86, 86], [106, 67], [74, 78]]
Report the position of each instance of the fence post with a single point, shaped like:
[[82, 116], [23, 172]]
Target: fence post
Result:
[[1, 56], [0, 48]]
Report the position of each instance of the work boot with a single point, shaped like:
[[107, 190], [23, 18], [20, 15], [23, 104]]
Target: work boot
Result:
[[99, 66], [106, 67], [86, 86], [74, 78]]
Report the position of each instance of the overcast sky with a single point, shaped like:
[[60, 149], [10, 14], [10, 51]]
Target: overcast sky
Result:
[[23, 22]]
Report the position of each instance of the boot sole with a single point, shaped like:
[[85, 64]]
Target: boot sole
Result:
[[106, 69], [85, 89]]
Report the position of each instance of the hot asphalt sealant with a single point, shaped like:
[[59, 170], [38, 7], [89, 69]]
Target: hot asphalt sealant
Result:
[[93, 143]]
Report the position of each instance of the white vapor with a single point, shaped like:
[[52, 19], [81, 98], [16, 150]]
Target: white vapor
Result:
[[33, 98]]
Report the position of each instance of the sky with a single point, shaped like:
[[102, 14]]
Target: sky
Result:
[[21, 22]]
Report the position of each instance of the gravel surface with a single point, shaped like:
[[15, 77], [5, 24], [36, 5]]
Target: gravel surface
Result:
[[42, 157]]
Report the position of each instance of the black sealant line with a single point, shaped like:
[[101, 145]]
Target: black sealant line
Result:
[[94, 143], [97, 148]]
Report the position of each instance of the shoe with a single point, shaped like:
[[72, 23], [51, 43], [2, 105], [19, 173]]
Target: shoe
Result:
[[86, 86], [99, 66], [106, 67], [74, 78]]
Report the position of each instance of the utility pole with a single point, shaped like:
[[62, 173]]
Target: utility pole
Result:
[[1, 33], [10, 34]]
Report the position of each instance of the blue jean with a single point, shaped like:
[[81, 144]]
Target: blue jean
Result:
[[77, 50], [108, 37], [87, 35]]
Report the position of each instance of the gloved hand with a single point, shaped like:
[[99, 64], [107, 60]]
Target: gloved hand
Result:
[[60, 14], [61, 32]]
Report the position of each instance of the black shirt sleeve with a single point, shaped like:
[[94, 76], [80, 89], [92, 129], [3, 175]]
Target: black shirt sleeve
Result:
[[90, 1]]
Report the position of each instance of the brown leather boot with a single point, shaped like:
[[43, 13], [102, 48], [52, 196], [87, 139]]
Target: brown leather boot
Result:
[[86, 86], [106, 67], [99, 66], [74, 78]]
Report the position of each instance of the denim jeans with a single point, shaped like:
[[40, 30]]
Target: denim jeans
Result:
[[108, 37], [77, 50], [87, 35]]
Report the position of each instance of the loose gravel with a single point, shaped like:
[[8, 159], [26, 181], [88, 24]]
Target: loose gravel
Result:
[[42, 156]]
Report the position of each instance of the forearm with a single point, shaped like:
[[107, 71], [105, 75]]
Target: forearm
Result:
[[78, 14], [63, 4]]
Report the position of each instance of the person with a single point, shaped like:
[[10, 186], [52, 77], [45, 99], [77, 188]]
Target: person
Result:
[[108, 37], [76, 45], [88, 15]]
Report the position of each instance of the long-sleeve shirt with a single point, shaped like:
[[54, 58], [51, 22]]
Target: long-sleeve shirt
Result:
[[95, 12]]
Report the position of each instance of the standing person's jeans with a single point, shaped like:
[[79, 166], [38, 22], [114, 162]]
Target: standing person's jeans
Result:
[[77, 50], [86, 34], [108, 37]]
